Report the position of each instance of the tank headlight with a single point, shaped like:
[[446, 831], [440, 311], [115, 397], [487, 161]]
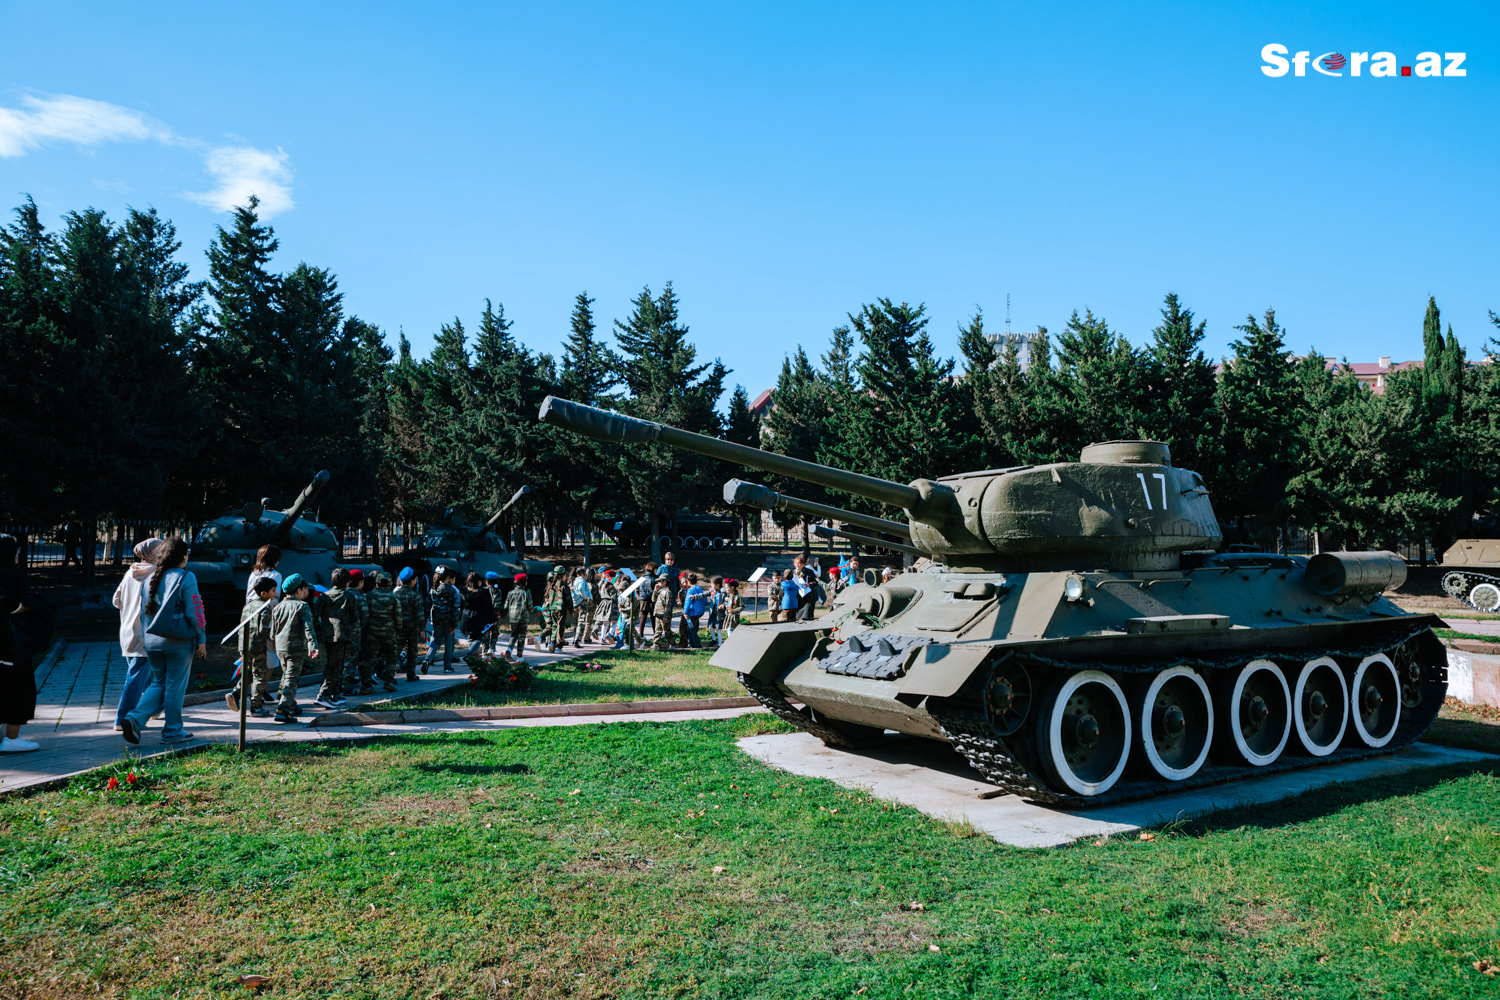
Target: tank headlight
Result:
[[1073, 589]]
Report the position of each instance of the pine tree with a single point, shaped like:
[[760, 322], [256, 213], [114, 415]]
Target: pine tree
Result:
[[667, 385], [1259, 407], [1098, 385], [1179, 396]]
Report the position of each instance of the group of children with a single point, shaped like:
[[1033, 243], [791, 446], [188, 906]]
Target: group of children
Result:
[[360, 628]]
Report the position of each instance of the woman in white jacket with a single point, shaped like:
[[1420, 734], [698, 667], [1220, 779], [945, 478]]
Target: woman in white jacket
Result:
[[129, 596]]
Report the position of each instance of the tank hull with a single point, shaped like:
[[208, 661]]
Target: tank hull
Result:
[[959, 634]]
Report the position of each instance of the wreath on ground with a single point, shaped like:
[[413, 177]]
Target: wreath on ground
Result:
[[496, 673]]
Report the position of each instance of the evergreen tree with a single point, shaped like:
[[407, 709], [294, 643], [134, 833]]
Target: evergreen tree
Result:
[[1259, 408], [667, 385], [907, 420], [1098, 385], [587, 374], [1179, 398]]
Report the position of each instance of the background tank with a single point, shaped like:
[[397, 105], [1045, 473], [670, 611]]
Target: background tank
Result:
[[224, 551], [478, 548], [1471, 572], [1075, 635]]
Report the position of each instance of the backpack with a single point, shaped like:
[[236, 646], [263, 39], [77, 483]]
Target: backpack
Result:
[[696, 605]]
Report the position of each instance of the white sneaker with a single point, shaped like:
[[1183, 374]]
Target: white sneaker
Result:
[[327, 702], [8, 745]]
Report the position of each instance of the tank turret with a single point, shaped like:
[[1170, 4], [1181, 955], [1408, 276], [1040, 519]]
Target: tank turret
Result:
[[225, 548], [1122, 505], [478, 548], [282, 532], [1075, 635]]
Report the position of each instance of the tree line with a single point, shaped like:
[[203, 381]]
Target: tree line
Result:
[[129, 390]]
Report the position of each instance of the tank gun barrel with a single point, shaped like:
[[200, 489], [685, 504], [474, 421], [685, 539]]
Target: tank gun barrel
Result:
[[823, 531], [304, 500], [495, 518], [606, 425], [740, 493]]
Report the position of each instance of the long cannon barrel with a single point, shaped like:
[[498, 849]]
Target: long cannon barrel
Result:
[[606, 425], [304, 500], [495, 518], [738, 492], [823, 531]]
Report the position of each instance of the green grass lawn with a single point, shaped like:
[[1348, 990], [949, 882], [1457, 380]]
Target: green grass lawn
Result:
[[656, 860], [645, 675]]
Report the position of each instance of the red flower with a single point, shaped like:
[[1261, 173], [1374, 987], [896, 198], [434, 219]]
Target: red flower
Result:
[[130, 778], [113, 784]]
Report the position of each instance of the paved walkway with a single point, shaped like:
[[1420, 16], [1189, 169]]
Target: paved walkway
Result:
[[79, 684]]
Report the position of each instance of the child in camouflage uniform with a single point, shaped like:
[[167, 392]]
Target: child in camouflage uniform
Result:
[[343, 639], [380, 636], [253, 639], [410, 633], [661, 614], [518, 610], [296, 641]]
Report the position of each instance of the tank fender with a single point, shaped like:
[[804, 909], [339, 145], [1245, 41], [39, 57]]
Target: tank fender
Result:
[[1041, 596], [939, 671], [211, 574], [764, 652]]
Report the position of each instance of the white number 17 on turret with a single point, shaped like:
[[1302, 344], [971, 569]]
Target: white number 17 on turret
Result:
[[1160, 477]]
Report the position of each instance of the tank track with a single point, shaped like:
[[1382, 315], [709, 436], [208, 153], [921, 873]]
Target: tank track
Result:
[[1460, 584], [965, 723], [845, 735]]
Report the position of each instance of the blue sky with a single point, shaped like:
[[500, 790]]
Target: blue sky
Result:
[[782, 164]]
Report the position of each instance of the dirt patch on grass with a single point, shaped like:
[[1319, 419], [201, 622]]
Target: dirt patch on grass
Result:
[[606, 863], [1257, 920], [419, 807], [898, 931]]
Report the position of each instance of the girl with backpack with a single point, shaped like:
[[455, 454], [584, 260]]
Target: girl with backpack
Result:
[[174, 631]]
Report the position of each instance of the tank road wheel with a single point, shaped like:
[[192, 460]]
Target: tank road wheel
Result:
[[1175, 722], [1255, 714], [1485, 597], [1376, 693], [1007, 699], [1455, 585], [1320, 706], [1409, 670], [1083, 733]]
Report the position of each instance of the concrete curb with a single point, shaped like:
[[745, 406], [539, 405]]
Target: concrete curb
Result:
[[205, 697], [422, 715]]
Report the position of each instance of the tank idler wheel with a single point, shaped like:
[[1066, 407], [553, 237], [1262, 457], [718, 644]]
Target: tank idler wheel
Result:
[[1174, 721], [1254, 708], [1320, 706], [1485, 597], [1083, 733], [1007, 698], [1376, 694], [1455, 585]]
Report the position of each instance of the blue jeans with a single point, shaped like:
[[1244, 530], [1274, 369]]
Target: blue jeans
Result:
[[137, 678], [443, 638], [170, 669], [692, 631]]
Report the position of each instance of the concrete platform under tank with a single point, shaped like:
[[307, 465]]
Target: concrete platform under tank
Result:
[[932, 778]]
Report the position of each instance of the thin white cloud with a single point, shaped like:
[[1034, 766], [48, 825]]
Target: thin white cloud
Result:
[[242, 171], [44, 121], [239, 170]]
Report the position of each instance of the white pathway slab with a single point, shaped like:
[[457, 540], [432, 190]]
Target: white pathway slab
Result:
[[1474, 626], [930, 777], [79, 685]]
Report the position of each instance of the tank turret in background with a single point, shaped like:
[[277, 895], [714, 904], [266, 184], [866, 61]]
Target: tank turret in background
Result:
[[477, 548], [1073, 631], [224, 551]]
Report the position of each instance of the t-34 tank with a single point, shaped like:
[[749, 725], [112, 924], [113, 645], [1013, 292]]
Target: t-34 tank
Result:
[[478, 548], [1471, 572], [1074, 634], [224, 551]]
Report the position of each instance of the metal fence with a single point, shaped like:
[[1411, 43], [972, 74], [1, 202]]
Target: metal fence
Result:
[[63, 549]]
